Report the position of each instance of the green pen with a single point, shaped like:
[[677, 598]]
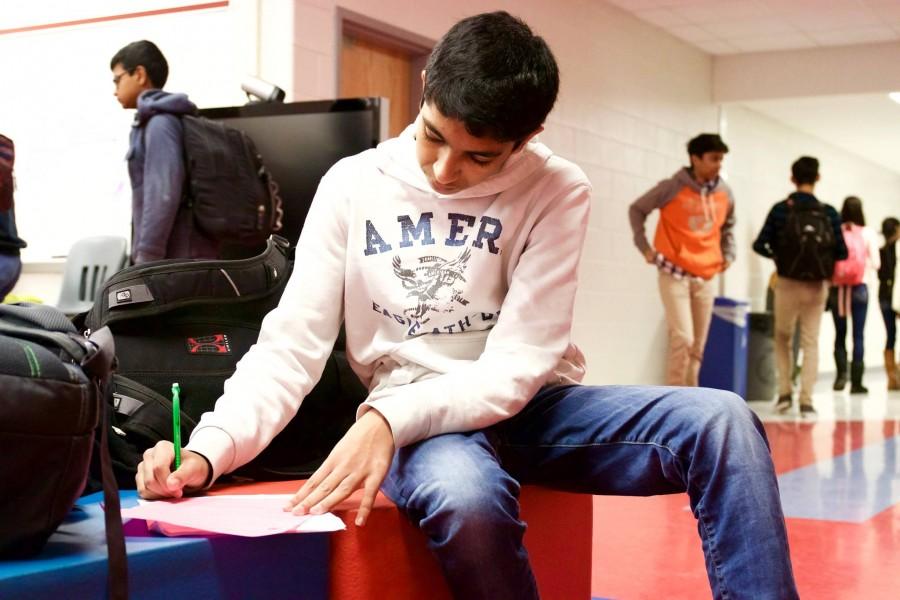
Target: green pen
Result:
[[176, 424]]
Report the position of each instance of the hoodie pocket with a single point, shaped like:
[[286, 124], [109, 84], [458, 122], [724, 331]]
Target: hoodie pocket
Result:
[[441, 353]]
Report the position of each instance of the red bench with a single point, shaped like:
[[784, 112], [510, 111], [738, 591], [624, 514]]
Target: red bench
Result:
[[388, 558]]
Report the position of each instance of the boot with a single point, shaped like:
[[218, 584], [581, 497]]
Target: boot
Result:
[[840, 380], [890, 368], [856, 374]]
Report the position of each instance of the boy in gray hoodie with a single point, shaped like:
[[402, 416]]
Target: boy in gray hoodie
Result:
[[161, 223]]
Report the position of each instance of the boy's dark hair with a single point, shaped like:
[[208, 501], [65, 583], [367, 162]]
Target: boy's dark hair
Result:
[[889, 227], [805, 170], [143, 54], [852, 212], [706, 142], [493, 74]]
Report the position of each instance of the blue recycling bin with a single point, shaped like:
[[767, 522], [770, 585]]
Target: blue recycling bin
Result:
[[725, 357]]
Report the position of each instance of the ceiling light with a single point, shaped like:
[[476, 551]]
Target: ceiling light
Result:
[[895, 96]]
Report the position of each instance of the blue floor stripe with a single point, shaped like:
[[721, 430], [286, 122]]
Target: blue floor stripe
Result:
[[852, 487]]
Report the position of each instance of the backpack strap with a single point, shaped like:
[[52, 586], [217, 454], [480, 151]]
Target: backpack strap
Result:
[[117, 576], [99, 366], [275, 194], [69, 343], [38, 315]]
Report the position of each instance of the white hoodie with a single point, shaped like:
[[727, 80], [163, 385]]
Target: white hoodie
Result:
[[457, 308]]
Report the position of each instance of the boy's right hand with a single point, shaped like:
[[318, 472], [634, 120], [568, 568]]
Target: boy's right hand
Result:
[[650, 255], [155, 478]]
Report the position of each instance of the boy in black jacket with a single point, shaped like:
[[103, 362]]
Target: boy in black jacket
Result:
[[804, 237]]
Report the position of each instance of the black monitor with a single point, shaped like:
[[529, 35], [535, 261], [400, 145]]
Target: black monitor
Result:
[[299, 142]]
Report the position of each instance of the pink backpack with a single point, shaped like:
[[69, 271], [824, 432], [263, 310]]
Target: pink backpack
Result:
[[851, 270]]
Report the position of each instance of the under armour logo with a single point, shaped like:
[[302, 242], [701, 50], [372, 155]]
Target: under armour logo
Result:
[[209, 344]]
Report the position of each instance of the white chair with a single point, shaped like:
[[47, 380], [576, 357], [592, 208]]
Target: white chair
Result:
[[90, 263]]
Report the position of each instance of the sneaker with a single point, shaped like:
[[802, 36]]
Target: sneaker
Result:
[[807, 410], [783, 404]]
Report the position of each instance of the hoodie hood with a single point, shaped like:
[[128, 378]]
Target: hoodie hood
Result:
[[153, 102], [685, 177], [397, 158]]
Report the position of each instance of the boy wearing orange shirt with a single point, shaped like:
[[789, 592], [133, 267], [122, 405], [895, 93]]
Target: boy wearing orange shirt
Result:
[[693, 242]]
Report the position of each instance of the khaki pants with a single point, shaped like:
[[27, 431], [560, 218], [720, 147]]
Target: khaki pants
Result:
[[798, 302], [688, 304]]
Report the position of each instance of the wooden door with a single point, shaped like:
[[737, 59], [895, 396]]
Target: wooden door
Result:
[[372, 69]]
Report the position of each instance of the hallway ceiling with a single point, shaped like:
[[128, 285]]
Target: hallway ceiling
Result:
[[867, 125], [736, 26]]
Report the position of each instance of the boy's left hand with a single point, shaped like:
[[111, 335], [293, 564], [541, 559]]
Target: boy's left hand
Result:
[[360, 460]]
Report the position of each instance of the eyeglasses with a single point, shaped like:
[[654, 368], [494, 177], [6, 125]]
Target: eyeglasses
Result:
[[118, 77]]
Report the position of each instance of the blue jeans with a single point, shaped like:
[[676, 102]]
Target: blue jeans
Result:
[[859, 304], [462, 489], [10, 268], [890, 323]]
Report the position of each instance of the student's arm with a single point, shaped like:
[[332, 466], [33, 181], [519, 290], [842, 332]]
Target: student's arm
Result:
[[274, 376], [727, 233], [872, 248], [294, 343], [163, 181], [655, 198], [764, 244], [895, 303]]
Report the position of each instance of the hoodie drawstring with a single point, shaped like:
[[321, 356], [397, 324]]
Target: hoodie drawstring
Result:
[[709, 209]]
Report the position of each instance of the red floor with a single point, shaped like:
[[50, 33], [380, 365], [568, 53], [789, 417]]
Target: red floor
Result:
[[649, 548]]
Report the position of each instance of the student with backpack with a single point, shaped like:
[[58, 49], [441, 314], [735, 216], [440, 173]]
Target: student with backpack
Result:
[[887, 273], [850, 295], [162, 225], [10, 242], [803, 235], [451, 255]]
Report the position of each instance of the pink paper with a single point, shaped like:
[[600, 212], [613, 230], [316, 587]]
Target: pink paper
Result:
[[242, 515]]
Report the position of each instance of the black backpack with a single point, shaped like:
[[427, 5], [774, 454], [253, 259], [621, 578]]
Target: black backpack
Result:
[[806, 245], [230, 192], [190, 321], [52, 381]]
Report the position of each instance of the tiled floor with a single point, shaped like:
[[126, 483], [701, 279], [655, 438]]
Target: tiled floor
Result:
[[839, 475]]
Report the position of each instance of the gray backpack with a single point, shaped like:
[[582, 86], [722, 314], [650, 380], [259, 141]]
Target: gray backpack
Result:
[[53, 381]]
